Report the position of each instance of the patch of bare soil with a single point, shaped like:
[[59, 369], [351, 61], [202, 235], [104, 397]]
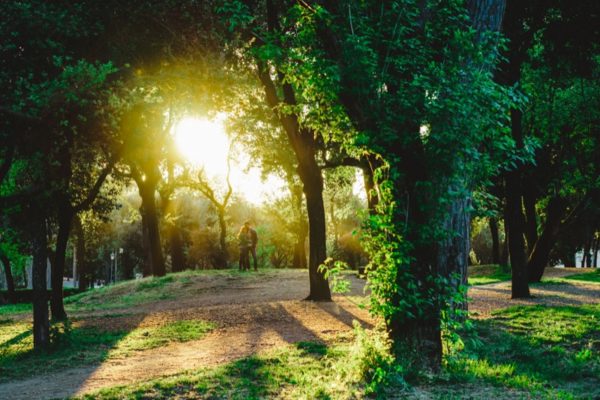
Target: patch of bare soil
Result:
[[252, 314]]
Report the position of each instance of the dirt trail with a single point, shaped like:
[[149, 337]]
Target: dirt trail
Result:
[[252, 314]]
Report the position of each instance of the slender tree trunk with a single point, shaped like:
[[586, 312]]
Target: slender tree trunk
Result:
[[299, 260], [223, 237], [153, 252], [369, 164], [586, 252], [10, 282], [178, 262], [531, 219], [538, 260], [41, 327], [595, 252], [515, 220], [82, 265], [65, 216], [319, 287], [495, 240]]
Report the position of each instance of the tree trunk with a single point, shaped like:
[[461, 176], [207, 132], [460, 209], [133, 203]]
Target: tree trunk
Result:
[[585, 255], [495, 240], [531, 219], [41, 327], [595, 252], [299, 260], [319, 287], [153, 251], [178, 262], [10, 282], [369, 164], [515, 220], [222, 237], [65, 216], [538, 260], [83, 272], [453, 251]]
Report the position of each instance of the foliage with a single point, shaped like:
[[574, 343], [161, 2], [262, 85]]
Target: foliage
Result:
[[332, 270]]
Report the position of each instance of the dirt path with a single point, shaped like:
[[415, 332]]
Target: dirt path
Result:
[[252, 315]]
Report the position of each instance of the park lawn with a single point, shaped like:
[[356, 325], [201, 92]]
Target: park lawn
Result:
[[486, 274], [521, 352], [592, 277]]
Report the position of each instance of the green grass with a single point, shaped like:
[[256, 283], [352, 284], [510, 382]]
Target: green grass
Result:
[[12, 309], [593, 277], [486, 274], [545, 352], [78, 346]]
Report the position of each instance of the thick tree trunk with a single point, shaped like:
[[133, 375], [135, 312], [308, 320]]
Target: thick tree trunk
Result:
[[10, 282], [81, 260], [453, 251], [57, 307], [41, 327], [538, 260], [153, 251]]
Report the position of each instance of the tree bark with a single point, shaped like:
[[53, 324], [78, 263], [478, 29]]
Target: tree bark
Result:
[[153, 251], [65, 217], [222, 238], [531, 219], [495, 240], [41, 327], [10, 282], [538, 260], [82, 265], [515, 220], [178, 262]]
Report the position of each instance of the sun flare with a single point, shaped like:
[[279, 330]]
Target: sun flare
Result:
[[203, 143]]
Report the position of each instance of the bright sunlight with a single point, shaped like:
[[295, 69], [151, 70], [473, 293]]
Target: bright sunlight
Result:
[[205, 144]]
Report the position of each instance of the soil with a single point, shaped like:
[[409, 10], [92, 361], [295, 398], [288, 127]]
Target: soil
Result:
[[252, 314]]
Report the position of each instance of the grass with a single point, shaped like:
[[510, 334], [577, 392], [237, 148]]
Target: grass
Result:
[[12, 309], [77, 346], [521, 352], [593, 277], [544, 352], [486, 274]]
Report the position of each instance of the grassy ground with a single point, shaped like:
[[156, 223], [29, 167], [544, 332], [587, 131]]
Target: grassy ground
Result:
[[485, 274], [522, 352]]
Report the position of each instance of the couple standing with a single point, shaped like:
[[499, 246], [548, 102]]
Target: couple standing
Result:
[[248, 239]]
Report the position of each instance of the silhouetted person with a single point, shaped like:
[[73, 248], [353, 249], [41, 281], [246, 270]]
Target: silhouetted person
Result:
[[253, 242], [245, 243]]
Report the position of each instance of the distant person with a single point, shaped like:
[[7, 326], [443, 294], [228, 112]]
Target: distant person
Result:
[[253, 242], [245, 243]]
